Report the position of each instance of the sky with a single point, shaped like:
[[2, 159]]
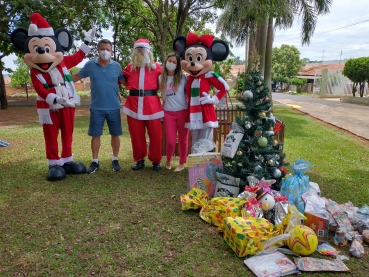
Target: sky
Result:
[[340, 35]]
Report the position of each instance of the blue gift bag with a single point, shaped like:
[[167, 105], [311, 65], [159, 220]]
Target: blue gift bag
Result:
[[297, 184]]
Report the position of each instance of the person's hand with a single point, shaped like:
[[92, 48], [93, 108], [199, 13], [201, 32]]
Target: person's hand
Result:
[[89, 36], [64, 102], [207, 99]]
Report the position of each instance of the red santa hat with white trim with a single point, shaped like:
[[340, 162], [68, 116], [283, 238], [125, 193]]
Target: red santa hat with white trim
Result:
[[39, 26], [142, 42]]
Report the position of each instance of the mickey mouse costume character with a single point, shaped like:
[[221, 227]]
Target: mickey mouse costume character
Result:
[[198, 53], [57, 97]]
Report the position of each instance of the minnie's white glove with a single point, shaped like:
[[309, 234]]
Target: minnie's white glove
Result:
[[89, 36], [64, 102], [207, 99]]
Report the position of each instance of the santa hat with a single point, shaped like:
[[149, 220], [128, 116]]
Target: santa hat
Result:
[[39, 26], [142, 42]]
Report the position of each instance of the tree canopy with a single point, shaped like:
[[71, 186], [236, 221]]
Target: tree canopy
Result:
[[357, 70], [286, 63]]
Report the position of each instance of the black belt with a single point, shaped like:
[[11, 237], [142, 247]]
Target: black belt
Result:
[[142, 92], [56, 85]]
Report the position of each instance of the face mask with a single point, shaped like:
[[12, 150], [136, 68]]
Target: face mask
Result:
[[105, 55], [170, 66]]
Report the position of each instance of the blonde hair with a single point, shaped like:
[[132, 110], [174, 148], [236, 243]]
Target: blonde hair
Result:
[[137, 59], [177, 74]]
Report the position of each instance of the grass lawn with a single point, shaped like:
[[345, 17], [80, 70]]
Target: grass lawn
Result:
[[130, 223]]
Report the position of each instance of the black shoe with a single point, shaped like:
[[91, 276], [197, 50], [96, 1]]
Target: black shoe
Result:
[[56, 173], [74, 168], [156, 166], [94, 166], [139, 165], [115, 165]]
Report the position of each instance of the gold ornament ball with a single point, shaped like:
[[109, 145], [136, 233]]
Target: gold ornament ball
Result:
[[239, 153], [259, 83], [271, 162], [262, 114], [275, 142]]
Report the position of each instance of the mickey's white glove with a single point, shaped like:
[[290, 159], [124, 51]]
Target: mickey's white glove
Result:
[[64, 102], [89, 36], [207, 99]]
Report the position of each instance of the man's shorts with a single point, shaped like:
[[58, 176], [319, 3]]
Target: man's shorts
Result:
[[97, 120]]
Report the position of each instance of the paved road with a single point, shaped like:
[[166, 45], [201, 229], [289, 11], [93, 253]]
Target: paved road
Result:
[[351, 117]]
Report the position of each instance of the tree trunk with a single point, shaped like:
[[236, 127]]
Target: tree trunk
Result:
[[268, 57], [3, 100], [252, 48], [247, 52], [262, 39]]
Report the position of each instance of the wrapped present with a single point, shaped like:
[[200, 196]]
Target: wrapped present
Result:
[[319, 224], [219, 208], [194, 199], [247, 236], [202, 170], [297, 184]]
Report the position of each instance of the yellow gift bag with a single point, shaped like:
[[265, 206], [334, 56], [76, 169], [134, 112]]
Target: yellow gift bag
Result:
[[219, 208], [194, 199], [247, 236]]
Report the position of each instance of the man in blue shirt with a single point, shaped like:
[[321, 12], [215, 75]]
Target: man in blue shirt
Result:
[[104, 75]]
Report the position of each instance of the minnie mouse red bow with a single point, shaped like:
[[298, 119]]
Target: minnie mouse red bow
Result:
[[205, 40]]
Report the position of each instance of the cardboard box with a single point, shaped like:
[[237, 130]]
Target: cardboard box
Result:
[[319, 224], [202, 170]]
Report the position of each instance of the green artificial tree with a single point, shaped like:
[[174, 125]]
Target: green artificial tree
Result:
[[259, 153]]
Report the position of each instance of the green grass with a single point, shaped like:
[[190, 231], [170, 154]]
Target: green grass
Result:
[[131, 223]]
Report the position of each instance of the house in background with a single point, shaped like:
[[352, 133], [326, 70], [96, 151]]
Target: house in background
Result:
[[237, 69], [337, 83]]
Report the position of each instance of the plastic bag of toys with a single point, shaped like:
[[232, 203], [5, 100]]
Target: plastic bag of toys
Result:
[[297, 184]]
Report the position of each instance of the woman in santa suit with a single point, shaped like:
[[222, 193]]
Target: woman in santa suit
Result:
[[143, 107]]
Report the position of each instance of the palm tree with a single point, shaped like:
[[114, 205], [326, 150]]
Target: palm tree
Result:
[[245, 21]]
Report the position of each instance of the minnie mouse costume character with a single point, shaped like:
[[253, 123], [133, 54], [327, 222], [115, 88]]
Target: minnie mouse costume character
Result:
[[57, 97], [198, 53]]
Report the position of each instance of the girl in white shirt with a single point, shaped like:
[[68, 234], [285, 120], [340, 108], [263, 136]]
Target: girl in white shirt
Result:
[[175, 106]]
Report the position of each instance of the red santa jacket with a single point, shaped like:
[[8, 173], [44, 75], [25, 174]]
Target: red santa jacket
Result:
[[203, 116], [55, 77], [146, 107]]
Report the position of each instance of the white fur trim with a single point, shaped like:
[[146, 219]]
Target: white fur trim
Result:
[[67, 159], [142, 117], [50, 98], [141, 44], [85, 48], [153, 66], [55, 162], [34, 31]]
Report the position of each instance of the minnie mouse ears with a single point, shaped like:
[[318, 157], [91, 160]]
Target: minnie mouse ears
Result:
[[219, 48]]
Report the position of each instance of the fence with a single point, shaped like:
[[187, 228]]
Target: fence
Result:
[[225, 119]]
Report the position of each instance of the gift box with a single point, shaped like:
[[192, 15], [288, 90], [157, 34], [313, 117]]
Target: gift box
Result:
[[202, 170], [319, 224], [247, 236]]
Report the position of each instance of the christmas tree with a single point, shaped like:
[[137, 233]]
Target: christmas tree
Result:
[[259, 153]]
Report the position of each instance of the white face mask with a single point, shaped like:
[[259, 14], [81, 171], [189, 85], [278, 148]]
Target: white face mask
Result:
[[105, 55], [170, 66]]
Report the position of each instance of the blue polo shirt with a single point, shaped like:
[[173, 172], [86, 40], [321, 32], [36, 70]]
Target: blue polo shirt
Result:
[[104, 84]]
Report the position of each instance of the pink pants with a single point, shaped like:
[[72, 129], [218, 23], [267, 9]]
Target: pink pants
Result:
[[173, 122]]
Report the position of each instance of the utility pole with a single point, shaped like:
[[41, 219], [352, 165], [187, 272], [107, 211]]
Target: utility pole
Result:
[[340, 57]]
